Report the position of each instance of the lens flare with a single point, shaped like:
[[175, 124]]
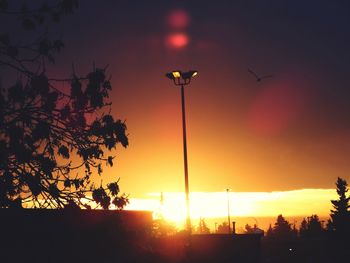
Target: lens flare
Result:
[[275, 109], [177, 40], [178, 19]]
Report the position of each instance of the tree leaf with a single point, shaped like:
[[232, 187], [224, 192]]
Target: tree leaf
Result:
[[110, 160], [63, 151], [113, 188]]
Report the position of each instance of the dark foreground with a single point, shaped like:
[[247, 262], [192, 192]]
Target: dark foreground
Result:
[[110, 236], [45, 236]]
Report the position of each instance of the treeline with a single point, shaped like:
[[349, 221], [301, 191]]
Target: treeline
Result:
[[315, 240]]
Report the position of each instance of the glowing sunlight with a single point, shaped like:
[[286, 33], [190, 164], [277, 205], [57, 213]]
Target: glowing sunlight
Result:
[[242, 204]]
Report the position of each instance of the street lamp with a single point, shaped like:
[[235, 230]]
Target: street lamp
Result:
[[228, 210], [182, 79]]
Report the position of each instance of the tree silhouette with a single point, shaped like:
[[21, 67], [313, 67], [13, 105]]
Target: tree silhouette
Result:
[[249, 229], [202, 227], [47, 132], [311, 227], [340, 215], [222, 228], [282, 229], [282, 226], [280, 242], [269, 231]]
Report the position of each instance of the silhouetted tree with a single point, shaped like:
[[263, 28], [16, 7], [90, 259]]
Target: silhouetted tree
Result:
[[311, 227], [222, 228], [280, 242], [269, 231], [282, 226], [294, 230], [303, 227], [202, 227], [248, 229], [282, 229], [49, 132], [340, 215]]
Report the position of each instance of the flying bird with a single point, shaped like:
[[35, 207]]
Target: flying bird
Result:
[[258, 79]]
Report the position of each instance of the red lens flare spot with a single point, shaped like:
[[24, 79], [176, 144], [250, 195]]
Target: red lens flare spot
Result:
[[177, 40], [178, 19], [275, 109]]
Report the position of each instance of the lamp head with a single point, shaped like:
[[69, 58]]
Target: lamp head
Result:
[[169, 75], [177, 74], [181, 78], [193, 73]]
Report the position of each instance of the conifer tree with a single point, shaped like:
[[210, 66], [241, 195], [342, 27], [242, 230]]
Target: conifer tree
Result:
[[311, 227], [269, 231], [340, 214]]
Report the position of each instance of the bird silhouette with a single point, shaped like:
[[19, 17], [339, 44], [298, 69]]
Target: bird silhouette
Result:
[[258, 78]]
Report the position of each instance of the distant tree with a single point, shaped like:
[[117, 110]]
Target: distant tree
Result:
[[303, 227], [311, 227], [202, 227], [52, 139], [269, 231], [340, 215], [280, 242], [282, 229], [248, 229], [282, 225], [222, 228], [294, 230]]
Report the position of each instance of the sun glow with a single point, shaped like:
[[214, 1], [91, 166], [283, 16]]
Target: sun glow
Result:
[[242, 204]]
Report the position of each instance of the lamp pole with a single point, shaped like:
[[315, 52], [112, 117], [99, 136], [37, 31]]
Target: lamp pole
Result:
[[184, 138], [182, 79], [228, 210]]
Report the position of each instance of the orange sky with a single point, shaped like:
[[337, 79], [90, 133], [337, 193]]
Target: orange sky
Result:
[[289, 132]]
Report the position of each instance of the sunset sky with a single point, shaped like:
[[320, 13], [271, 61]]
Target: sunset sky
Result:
[[283, 134]]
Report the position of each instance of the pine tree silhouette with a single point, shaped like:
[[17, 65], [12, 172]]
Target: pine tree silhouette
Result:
[[340, 215]]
